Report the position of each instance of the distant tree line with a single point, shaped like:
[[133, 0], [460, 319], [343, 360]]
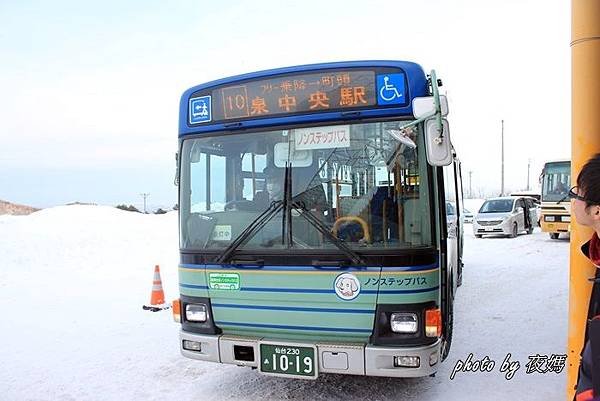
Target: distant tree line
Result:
[[131, 208]]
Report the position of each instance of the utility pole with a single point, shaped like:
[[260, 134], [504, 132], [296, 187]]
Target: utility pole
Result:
[[470, 187], [502, 183], [528, 167], [585, 142], [144, 195]]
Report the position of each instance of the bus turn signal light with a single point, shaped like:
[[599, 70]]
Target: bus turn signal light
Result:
[[433, 322], [177, 310]]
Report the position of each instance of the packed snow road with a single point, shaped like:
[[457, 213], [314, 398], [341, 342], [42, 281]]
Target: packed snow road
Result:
[[73, 280]]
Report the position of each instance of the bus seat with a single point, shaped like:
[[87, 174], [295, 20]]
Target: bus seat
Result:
[[381, 200]]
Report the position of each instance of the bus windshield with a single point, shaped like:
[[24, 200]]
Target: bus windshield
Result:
[[556, 181], [365, 183]]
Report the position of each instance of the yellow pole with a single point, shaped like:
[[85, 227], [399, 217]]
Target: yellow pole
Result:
[[585, 142]]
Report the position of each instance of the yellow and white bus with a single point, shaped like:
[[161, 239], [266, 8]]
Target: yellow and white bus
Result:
[[556, 206]]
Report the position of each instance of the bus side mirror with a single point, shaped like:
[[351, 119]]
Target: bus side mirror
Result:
[[425, 106], [437, 144]]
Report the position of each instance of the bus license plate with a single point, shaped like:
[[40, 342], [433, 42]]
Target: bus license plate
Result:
[[489, 229], [287, 360]]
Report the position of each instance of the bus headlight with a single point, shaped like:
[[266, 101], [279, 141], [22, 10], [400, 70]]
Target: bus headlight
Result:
[[195, 313], [192, 346], [566, 219], [404, 323], [549, 218]]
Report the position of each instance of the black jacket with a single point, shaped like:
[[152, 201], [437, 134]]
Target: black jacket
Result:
[[586, 381]]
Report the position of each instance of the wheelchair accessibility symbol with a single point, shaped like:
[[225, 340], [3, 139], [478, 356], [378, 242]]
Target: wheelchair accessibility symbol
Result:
[[200, 110], [390, 89]]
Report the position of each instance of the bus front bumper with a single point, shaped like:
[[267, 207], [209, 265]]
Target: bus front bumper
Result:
[[555, 227], [352, 359]]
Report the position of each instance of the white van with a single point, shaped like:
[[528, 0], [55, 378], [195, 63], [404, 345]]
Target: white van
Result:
[[507, 215]]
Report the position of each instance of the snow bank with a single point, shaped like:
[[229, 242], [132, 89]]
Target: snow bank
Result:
[[72, 284]]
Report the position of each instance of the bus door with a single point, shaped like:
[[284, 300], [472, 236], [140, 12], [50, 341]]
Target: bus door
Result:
[[453, 226], [461, 218]]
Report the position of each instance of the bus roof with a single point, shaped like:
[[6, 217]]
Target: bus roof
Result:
[[416, 85], [531, 194], [558, 161]]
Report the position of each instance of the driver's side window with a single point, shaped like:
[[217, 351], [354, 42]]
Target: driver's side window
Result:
[[206, 185]]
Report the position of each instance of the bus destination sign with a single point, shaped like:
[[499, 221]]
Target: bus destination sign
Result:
[[292, 94]]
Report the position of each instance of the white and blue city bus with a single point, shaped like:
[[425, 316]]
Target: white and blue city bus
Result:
[[320, 221]]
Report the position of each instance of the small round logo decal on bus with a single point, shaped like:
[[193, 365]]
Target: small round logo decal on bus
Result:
[[347, 286]]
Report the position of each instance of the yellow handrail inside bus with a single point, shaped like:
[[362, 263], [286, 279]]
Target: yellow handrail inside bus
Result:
[[356, 219]]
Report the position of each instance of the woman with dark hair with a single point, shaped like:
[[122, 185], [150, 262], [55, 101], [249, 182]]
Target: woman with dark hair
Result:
[[586, 208]]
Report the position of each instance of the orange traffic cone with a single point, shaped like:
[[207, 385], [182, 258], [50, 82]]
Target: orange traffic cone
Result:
[[157, 298]]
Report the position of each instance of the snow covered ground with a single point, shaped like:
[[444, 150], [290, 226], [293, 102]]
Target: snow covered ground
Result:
[[73, 280]]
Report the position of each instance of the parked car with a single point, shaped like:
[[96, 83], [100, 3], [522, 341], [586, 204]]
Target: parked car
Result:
[[506, 216], [468, 215]]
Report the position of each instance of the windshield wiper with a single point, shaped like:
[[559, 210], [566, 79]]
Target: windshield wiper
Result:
[[563, 198], [315, 222], [286, 226], [287, 204], [255, 226]]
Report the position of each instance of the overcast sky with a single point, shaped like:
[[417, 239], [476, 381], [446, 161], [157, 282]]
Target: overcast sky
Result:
[[90, 91]]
